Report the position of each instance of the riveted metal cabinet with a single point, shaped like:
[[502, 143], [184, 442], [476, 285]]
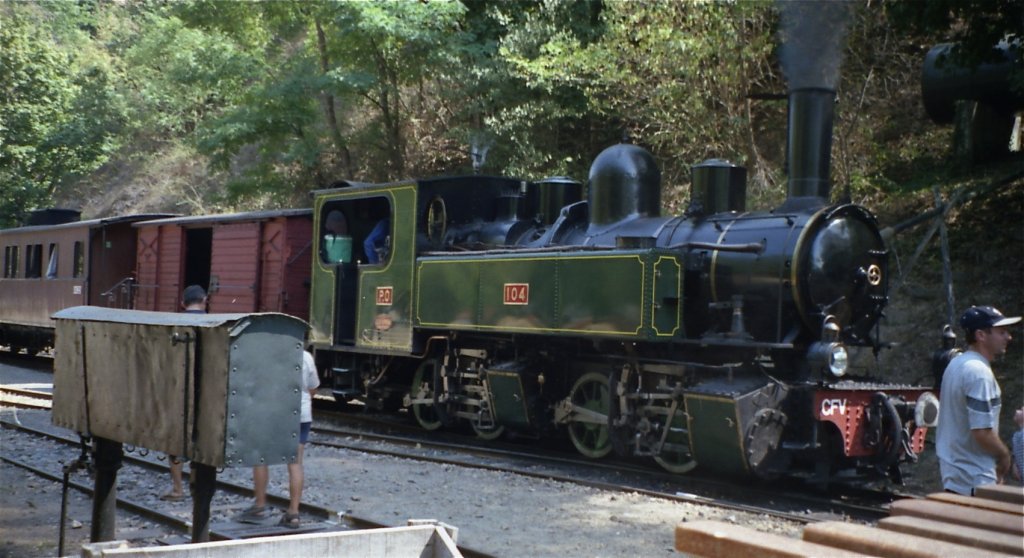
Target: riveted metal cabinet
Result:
[[218, 389]]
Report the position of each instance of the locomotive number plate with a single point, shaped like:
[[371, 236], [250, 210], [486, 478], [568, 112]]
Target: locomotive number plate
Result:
[[385, 296], [517, 294]]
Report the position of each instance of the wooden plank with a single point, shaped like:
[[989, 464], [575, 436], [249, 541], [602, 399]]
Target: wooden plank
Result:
[[958, 534], [235, 262], [975, 502], [1001, 492], [270, 527], [170, 268], [147, 271], [959, 515], [717, 539], [879, 542]]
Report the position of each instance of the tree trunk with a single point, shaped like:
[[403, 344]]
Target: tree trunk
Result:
[[328, 103]]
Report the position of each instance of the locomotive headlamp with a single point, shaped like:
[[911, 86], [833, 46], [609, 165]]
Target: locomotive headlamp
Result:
[[829, 352], [838, 360], [926, 411], [832, 356]]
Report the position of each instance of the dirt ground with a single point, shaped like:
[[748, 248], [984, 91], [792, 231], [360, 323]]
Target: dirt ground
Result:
[[504, 514], [29, 512]]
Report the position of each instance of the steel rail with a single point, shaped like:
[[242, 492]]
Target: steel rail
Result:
[[864, 513], [328, 514], [876, 509], [24, 398]]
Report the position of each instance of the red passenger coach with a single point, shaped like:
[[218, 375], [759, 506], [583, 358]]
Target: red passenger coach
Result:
[[247, 262]]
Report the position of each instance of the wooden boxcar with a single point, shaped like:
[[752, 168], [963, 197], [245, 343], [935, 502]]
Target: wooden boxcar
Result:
[[50, 267], [247, 262]]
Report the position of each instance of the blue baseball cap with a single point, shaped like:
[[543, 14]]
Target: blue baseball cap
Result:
[[984, 317]]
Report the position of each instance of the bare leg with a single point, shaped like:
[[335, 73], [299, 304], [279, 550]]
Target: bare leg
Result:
[[176, 473], [260, 477], [295, 478]]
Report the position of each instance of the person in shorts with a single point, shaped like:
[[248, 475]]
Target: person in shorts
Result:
[[261, 474], [193, 301]]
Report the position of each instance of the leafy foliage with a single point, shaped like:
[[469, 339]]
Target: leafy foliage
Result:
[[52, 128], [278, 98]]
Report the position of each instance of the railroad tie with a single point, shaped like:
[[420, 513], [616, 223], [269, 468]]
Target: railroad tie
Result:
[[715, 538], [957, 534], [960, 515], [879, 542], [1001, 492], [975, 502]]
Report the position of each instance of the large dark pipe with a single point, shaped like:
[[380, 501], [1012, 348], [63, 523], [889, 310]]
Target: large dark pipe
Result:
[[809, 142], [944, 82]]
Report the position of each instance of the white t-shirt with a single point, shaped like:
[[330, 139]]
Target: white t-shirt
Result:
[[310, 380], [970, 399]]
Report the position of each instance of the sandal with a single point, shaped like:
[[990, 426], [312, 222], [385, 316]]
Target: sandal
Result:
[[290, 520], [172, 497], [254, 514]]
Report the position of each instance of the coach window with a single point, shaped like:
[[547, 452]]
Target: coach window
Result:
[[79, 260], [10, 262], [33, 261], [51, 267]]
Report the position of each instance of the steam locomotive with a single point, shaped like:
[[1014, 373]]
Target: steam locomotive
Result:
[[717, 338]]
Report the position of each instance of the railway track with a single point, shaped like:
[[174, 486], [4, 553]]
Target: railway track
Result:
[[362, 432], [23, 398], [784, 500], [170, 515]]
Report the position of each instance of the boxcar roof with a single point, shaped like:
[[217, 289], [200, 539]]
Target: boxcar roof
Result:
[[91, 223], [228, 217]]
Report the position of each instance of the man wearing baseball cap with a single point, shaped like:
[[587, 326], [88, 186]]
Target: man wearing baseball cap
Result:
[[967, 441]]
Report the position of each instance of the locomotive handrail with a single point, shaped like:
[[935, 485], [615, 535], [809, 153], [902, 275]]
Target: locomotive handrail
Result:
[[524, 249], [752, 247]]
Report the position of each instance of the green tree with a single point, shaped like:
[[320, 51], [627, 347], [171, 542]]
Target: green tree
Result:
[[338, 99], [675, 74], [537, 126], [51, 130]]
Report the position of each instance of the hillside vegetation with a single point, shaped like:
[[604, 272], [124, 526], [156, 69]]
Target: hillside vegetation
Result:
[[213, 106]]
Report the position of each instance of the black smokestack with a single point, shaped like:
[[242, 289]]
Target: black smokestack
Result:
[[812, 34]]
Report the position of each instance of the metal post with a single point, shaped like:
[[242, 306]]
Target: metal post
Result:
[[108, 455], [64, 507], [202, 485], [947, 271]]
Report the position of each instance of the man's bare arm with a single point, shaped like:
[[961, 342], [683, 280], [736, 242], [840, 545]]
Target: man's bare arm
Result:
[[990, 442]]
